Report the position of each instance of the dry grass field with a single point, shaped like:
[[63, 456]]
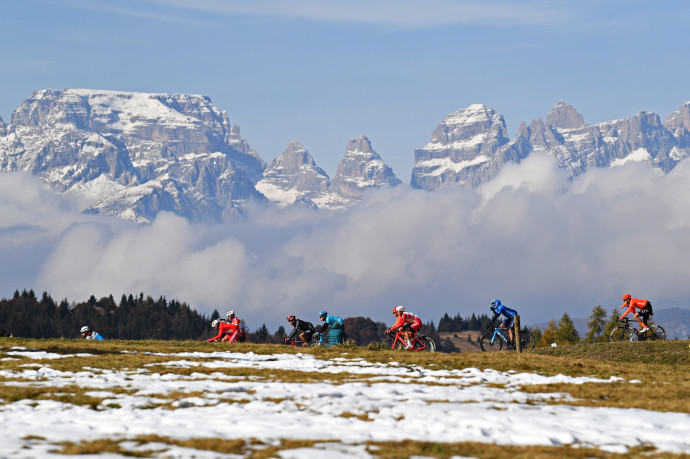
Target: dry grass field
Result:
[[81, 375]]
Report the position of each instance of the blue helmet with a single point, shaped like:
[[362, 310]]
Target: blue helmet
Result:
[[323, 314], [496, 303]]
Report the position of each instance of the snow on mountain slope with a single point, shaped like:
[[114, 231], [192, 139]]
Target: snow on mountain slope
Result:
[[471, 145], [134, 154], [361, 168]]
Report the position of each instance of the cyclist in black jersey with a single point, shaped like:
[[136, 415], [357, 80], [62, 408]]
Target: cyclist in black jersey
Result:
[[305, 330]]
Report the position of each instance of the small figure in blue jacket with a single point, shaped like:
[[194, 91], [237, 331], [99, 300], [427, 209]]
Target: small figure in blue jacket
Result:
[[508, 313]]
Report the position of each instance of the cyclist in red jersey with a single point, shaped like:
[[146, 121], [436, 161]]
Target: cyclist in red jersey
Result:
[[225, 331], [407, 322], [644, 309], [239, 334]]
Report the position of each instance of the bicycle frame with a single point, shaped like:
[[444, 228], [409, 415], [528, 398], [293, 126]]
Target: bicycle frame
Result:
[[317, 339], [499, 331], [417, 344]]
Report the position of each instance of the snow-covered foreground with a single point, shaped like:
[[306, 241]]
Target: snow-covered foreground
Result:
[[371, 401]]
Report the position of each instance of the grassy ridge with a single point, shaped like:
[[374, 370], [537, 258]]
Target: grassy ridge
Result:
[[660, 367], [654, 373]]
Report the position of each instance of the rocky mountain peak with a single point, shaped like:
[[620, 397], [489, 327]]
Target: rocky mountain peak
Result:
[[134, 154], [361, 168], [465, 124], [678, 123], [463, 149], [294, 178], [564, 116]]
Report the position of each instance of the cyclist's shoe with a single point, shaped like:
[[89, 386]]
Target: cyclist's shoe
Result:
[[510, 345], [408, 345], [645, 329]]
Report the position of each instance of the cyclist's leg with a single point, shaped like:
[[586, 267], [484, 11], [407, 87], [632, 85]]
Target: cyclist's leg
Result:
[[639, 320], [414, 327], [508, 323]]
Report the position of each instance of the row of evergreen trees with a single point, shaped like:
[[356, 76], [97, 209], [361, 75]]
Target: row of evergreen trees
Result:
[[599, 328], [140, 317], [449, 324], [133, 318]]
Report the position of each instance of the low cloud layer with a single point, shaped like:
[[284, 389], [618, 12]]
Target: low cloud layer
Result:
[[540, 243]]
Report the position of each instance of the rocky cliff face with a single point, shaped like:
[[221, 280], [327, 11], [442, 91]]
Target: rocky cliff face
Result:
[[470, 145], [294, 178], [579, 147], [135, 154], [564, 116], [361, 168], [678, 123]]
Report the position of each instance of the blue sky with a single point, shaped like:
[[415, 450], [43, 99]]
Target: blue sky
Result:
[[322, 71]]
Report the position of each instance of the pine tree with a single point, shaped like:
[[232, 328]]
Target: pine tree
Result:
[[566, 332], [549, 335], [445, 324], [261, 335], [611, 324], [597, 325]]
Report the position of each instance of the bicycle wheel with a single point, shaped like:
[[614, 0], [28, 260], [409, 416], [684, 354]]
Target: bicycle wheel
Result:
[[526, 339], [429, 343], [657, 333], [621, 334], [487, 345]]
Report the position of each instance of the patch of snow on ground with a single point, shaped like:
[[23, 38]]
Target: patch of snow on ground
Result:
[[380, 402]]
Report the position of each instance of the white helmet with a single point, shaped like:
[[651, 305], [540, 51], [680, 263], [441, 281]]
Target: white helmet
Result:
[[85, 329], [230, 313], [215, 323], [400, 309]]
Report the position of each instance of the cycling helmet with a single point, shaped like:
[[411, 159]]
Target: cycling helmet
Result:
[[230, 313], [399, 309], [85, 329], [290, 318], [627, 296], [496, 303], [215, 323], [323, 314]]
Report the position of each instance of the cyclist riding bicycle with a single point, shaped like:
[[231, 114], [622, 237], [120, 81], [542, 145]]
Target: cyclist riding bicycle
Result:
[[500, 309], [407, 322], [303, 328], [237, 322], [87, 333], [644, 310], [226, 331], [335, 325]]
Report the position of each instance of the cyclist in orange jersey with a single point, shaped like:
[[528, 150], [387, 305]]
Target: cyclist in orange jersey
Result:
[[644, 310]]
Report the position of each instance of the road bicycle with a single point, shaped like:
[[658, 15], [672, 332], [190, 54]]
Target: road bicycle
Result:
[[419, 342], [497, 337], [625, 333], [317, 339]]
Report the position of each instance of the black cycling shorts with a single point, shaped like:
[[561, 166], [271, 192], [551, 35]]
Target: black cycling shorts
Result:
[[646, 312]]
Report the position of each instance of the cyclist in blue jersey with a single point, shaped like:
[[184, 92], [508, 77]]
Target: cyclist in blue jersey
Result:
[[500, 309], [329, 322]]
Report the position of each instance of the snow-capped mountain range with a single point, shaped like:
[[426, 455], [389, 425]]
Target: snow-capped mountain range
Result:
[[133, 155], [471, 145]]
